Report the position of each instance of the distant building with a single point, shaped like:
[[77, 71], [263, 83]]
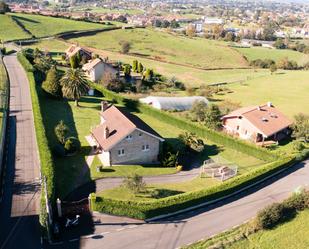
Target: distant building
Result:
[[172, 103], [213, 21], [257, 123], [123, 138], [96, 69], [73, 50]]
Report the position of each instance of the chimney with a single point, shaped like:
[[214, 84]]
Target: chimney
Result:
[[269, 104], [106, 133], [104, 106]]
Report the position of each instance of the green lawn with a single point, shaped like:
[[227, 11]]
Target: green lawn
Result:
[[166, 47], [125, 170], [110, 11], [9, 30], [41, 26], [293, 234], [287, 90], [274, 54]]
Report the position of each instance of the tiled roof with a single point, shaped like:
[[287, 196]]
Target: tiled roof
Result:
[[266, 118], [91, 64], [120, 124]]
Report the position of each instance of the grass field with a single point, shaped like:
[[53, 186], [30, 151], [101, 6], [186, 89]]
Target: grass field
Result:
[[166, 47], [274, 54], [41, 26], [293, 234], [288, 90], [9, 30], [111, 11]]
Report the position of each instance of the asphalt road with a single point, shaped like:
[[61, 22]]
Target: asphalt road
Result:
[[111, 232], [19, 224]]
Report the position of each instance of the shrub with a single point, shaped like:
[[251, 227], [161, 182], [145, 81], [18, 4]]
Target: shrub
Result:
[[134, 183], [170, 159], [59, 150], [298, 201], [61, 131], [72, 144], [269, 216], [51, 84]]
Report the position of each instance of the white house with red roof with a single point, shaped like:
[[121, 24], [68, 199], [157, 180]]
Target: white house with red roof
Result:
[[95, 69], [257, 123]]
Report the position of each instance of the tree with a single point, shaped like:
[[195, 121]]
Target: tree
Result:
[[125, 47], [140, 68], [212, 117], [157, 23], [148, 75], [279, 44], [198, 110], [174, 24], [134, 183], [191, 141], [273, 68], [301, 127], [190, 31], [227, 106], [269, 32], [4, 8], [61, 131], [51, 84], [110, 82], [74, 62], [74, 84], [165, 24], [127, 71], [135, 66]]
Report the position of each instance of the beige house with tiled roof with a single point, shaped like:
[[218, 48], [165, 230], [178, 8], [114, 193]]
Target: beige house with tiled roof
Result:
[[74, 49], [95, 69], [123, 138], [257, 123]]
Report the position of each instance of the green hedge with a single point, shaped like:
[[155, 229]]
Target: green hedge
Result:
[[214, 136], [148, 209], [46, 160]]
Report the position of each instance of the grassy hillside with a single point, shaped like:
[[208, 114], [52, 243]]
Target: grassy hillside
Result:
[[44, 26], [293, 234], [274, 54], [162, 46], [289, 90], [9, 30]]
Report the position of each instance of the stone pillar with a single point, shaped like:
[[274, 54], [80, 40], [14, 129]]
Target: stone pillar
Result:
[[59, 207]]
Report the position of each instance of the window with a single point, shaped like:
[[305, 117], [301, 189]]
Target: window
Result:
[[121, 152], [140, 134], [246, 132], [237, 127], [145, 147], [129, 137]]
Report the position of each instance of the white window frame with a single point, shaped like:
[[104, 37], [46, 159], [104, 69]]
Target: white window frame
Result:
[[121, 152], [145, 147]]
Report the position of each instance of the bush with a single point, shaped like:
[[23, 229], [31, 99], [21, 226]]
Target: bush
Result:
[[134, 183], [270, 216], [59, 150], [72, 145]]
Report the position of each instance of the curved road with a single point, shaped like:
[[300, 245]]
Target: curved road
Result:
[[117, 232]]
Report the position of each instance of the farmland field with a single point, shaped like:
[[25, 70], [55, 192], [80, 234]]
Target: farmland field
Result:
[[274, 54], [280, 237], [41, 26], [15, 32], [288, 90], [161, 46]]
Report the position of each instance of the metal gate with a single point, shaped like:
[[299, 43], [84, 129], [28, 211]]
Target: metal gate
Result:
[[75, 207]]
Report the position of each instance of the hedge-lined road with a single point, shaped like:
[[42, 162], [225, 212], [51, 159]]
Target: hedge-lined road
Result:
[[187, 228], [19, 225]]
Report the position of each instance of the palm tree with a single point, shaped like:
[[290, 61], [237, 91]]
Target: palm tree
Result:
[[74, 84]]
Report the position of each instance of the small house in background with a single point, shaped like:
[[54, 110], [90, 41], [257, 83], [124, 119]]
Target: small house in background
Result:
[[123, 138], [74, 49], [95, 69], [258, 124], [172, 103]]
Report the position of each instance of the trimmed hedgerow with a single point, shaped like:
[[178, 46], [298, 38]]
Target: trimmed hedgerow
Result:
[[148, 209], [46, 160], [201, 131]]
